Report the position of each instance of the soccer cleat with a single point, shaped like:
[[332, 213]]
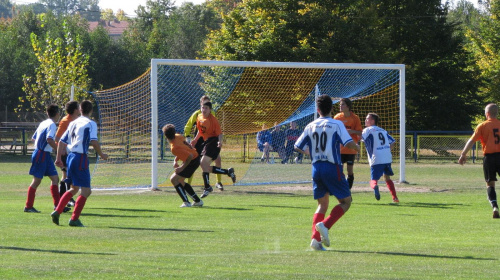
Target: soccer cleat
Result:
[[55, 217], [316, 245], [198, 204], [66, 209], [76, 223], [206, 192], [185, 204], [377, 192], [262, 159], [219, 186], [231, 174], [323, 231], [496, 215], [71, 203], [31, 210], [395, 200]]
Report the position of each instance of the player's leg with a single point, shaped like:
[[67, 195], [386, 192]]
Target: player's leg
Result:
[[80, 203], [206, 168], [30, 200], [350, 169], [490, 170], [176, 180], [54, 189], [218, 163], [376, 172], [318, 217]]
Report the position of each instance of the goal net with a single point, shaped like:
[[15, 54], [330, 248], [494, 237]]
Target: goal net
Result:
[[247, 97]]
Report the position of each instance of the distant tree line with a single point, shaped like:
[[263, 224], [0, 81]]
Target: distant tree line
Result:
[[451, 51]]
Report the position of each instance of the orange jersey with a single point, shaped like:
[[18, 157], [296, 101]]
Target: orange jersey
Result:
[[63, 125], [208, 127], [180, 149], [351, 122], [488, 132]]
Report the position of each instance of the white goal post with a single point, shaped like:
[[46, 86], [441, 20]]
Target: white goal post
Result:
[[157, 63]]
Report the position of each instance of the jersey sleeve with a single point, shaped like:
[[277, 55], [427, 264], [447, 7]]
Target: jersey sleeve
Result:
[[190, 123], [93, 131], [51, 133]]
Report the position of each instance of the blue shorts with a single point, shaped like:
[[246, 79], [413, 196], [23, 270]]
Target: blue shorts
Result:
[[378, 170], [329, 177], [42, 164], [78, 170]]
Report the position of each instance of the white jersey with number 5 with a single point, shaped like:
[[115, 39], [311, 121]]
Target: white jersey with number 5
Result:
[[323, 137], [378, 145]]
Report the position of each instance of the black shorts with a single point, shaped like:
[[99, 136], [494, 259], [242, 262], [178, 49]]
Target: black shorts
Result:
[[491, 166], [210, 148], [64, 158], [199, 145], [191, 168], [348, 158]]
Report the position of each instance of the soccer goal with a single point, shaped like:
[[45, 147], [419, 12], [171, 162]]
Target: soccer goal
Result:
[[247, 97]]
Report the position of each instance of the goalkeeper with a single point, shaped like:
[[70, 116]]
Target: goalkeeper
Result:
[[191, 161], [188, 128]]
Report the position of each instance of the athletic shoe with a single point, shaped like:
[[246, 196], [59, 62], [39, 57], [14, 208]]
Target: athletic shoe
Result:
[[71, 203], [55, 217], [395, 200], [206, 192], [262, 159], [316, 245], [323, 231], [76, 223], [31, 210], [496, 215], [66, 209], [377, 193], [199, 203], [219, 186], [185, 204], [231, 174]]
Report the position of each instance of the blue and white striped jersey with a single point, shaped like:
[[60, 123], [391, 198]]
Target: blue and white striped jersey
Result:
[[47, 129], [378, 145], [323, 137], [79, 134]]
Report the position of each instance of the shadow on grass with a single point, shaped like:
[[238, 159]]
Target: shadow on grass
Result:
[[53, 251], [422, 205], [416, 255], [162, 229], [287, 194], [115, 216], [129, 210], [227, 208], [282, 206]]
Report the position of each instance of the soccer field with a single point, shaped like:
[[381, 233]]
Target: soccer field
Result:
[[442, 229]]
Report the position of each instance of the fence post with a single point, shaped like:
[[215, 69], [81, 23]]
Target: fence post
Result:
[[415, 139]]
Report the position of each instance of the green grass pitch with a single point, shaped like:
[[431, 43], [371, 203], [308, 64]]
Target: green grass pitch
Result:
[[442, 229]]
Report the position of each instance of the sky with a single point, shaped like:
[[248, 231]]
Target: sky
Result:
[[129, 6]]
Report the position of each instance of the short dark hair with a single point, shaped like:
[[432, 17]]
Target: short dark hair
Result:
[[209, 104], [347, 102], [52, 110], [375, 117], [325, 104], [86, 107], [71, 106], [169, 131]]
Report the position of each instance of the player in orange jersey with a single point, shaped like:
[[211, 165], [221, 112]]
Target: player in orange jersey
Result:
[[353, 125], [209, 129], [72, 113], [183, 151], [488, 132]]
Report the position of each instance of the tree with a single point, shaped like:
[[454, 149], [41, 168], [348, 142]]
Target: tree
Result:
[[62, 64], [5, 9]]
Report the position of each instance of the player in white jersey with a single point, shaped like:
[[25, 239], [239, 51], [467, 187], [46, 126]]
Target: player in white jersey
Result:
[[41, 160], [81, 133], [378, 147], [321, 139]]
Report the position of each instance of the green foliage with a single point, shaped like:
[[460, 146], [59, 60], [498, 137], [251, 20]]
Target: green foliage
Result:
[[62, 65]]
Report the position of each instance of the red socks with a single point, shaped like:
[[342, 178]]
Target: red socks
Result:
[[63, 202], [373, 183], [80, 202], [318, 217], [334, 216], [54, 190], [392, 189], [31, 197]]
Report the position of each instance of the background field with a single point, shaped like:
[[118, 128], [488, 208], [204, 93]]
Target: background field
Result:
[[442, 229]]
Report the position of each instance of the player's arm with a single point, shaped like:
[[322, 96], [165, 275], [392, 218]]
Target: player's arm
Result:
[[97, 148], [353, 145], [219, 144], [184, 164], [61, 150], [190, 123], [52, 143], [468, 146]]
